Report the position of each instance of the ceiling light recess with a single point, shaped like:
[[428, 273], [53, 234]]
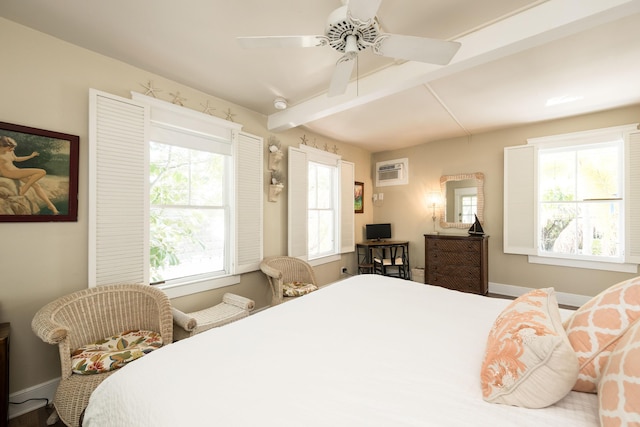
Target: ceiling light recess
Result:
[[564, 99]]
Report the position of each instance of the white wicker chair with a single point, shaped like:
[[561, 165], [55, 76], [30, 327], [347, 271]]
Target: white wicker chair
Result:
[[91, 314], [233, 307], [284, 269]]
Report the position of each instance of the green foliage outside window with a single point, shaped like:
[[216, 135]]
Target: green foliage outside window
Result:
[[176, 183]]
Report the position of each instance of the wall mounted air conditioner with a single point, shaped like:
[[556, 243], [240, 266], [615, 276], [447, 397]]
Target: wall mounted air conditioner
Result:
[[392, 172]]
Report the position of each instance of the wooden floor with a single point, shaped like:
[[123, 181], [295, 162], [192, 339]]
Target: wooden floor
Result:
[[37, 418], [568, 307]]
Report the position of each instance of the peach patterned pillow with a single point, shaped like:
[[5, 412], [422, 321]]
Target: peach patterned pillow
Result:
[[594, 329], [619, 388], [529, 361]]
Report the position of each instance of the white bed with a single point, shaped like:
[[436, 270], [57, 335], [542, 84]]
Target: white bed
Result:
[[366, 351]]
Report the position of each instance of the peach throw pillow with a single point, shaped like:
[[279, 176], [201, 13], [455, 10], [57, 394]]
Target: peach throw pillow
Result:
[[529, 361], [594, 329], [619, 388]]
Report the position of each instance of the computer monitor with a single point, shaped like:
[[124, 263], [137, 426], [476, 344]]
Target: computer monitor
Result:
[[378, 231]]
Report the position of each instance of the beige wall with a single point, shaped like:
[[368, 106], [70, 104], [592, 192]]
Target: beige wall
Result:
[[44, 83], [406, 208]]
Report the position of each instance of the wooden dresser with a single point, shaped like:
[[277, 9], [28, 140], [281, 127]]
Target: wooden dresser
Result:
[[457, 262]]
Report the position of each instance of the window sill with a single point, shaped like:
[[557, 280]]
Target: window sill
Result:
[[324, 260], [593, 265], [188, 288]]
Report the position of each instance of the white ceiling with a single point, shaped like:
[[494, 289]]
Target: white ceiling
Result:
[[515, 55]]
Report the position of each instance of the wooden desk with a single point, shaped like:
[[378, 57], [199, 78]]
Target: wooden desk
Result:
[[4, 374], [365, 252]]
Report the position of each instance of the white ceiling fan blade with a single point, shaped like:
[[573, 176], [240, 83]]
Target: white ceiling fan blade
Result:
[[341, 75], [363, 10], [432, 51], [282, 41]]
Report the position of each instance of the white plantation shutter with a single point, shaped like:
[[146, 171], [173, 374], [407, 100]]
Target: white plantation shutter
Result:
[[519, 200], [118, 190], [347, 215], [249, 196], [632, 197], [298, 203]]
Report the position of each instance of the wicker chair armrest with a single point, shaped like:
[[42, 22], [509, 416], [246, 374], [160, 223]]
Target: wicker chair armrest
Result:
[[239, 301], [270, 271], [183, 320], [47, 330]]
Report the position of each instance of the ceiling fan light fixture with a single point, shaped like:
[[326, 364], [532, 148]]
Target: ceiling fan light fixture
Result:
[[351, 45], [355, 27], [280, 104]]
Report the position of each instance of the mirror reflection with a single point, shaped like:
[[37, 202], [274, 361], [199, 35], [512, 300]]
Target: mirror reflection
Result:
[[463, 197]]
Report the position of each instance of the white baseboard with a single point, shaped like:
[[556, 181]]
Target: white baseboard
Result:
[[41, 391], [574, 300]]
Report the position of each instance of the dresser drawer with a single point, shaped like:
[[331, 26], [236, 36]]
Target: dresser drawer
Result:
[[463, 272], [462, 258], [453, 245]]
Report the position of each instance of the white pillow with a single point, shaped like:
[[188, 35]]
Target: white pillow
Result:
[[528, 361]]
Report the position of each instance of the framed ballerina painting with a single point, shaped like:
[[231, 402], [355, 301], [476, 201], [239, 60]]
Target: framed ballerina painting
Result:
[[38, 175]]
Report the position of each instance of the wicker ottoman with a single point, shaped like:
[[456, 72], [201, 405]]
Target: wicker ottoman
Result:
[[233, 307]]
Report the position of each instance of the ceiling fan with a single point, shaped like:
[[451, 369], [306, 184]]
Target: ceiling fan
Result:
[[354, 27]]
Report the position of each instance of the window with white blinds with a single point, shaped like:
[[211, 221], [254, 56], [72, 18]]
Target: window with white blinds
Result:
[[320, 205], [571, 199], [121, 133]]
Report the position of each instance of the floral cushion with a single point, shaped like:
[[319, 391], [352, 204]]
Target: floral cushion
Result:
[[114, 352], [594, 329], [619, 388], [529, 361], [297, 289]]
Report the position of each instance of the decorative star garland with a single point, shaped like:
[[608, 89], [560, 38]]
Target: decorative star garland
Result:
[[208, 109], [229, 115], [177, 99], [149, 89]]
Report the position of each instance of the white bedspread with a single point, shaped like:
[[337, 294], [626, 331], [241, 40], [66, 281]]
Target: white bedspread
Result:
[[366, 351]]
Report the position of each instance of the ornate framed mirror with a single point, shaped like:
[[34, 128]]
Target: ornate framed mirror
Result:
[[463, 197]]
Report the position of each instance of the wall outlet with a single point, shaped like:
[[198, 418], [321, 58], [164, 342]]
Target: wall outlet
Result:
[[343, 270]]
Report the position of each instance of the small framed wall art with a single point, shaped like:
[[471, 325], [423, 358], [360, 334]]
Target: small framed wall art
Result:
[[358, 197], [38, 175]]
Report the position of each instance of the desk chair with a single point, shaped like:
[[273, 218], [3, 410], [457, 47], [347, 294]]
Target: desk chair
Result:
[[391, 261]]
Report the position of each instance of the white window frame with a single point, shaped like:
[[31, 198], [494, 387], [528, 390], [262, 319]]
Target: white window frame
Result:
[[298, 203], [333, 208], [460, 195], [119, 129], [172, 135], [521, 193]]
